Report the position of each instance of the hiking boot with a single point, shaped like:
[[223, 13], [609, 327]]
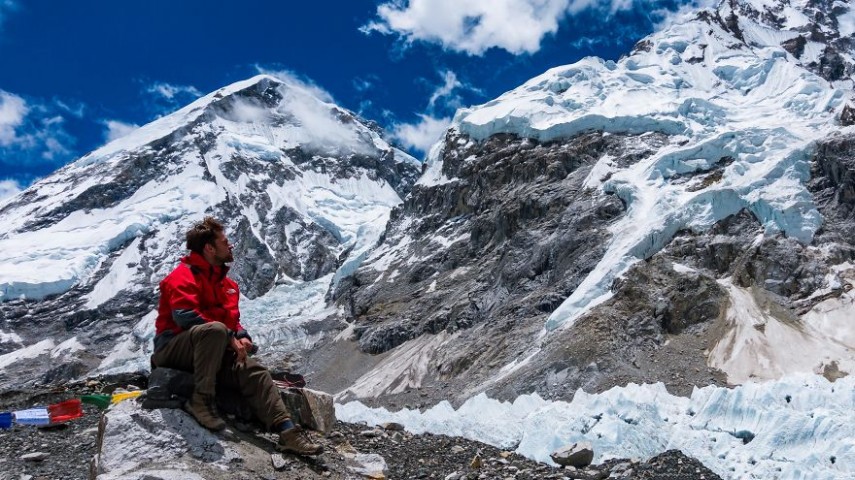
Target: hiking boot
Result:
[[296, 440], [202, 409]]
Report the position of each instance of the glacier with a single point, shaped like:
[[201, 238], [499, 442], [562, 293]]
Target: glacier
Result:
[[798, 427]]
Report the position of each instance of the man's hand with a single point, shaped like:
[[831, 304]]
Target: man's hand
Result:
[[247, 345], [239, 345]]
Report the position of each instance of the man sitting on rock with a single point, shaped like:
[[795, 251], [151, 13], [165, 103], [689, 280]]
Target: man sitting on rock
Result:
[[198, 330]]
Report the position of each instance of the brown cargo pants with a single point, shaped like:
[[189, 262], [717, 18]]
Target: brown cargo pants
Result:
[[203, 350]]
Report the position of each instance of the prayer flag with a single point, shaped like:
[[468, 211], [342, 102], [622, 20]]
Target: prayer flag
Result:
[[32, 416], [5, 419], [121, 396], [65, 411], [100, 400]]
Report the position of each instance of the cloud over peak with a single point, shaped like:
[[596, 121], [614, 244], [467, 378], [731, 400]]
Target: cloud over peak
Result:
[[169, 91], [116, 129], [9, 187], [422, 134]]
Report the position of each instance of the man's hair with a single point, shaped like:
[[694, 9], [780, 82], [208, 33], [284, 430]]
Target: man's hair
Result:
[[202, 234]]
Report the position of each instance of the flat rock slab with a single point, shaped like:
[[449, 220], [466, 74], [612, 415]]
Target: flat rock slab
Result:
[[34, 457]]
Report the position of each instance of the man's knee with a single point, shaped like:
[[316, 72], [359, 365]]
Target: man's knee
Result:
[[211, 333], [210, 328]]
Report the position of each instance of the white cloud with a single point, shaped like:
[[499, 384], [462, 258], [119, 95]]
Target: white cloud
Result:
[[363, 84], [170, 92], [13, 109], [475, 26], [54, 148], [431, 126], [76, 109], [472, 26], [31, 133], [446, 89], [422, 134], [8, 188], [116, 129]]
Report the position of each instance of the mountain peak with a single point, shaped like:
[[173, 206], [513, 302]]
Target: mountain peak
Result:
[[279, 142], [307, 112]]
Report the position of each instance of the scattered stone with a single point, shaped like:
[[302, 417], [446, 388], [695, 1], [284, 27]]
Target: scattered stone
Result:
[[34, 457], [279, 462], [370, 465], [393, 427], [457, 449], [579, 455]]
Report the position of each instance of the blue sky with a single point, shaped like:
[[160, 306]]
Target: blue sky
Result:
[[73, 75]]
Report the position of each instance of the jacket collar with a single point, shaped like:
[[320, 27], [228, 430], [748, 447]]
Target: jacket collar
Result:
[[195, 260]]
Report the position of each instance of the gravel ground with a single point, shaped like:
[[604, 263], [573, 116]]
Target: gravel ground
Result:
[[70, 447], [428, 456]]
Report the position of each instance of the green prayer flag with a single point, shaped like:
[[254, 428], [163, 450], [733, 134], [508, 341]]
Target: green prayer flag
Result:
[[98, 399]]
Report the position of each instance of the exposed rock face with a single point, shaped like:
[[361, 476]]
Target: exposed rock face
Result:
[[518, 233], [486, 258]]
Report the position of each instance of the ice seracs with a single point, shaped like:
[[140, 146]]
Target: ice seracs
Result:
[[797, 427]]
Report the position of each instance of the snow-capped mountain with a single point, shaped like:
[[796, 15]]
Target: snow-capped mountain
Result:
[[304, 187], [681, 215]]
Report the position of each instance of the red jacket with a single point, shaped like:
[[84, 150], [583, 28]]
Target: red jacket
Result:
[[196, 292]]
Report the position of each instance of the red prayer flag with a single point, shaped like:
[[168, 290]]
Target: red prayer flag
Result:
[[64, 411]]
